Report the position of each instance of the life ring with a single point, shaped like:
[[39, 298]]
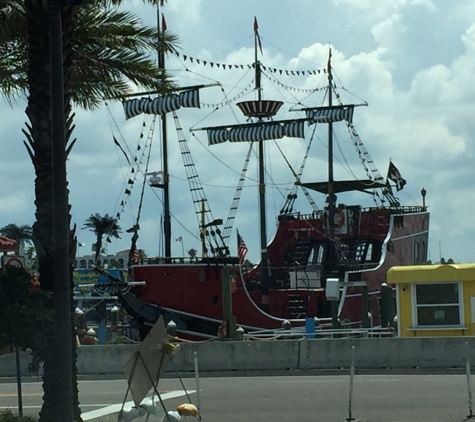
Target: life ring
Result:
[[338, 223]]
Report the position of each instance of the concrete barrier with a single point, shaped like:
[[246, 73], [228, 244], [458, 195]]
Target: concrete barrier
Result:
[[104, 359], [277, 355], [235, 356], [404, 353]]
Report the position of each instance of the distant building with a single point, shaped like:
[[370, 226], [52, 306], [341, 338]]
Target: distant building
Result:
[[119, 260]]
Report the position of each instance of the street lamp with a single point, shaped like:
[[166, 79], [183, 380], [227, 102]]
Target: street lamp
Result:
[[423, 193], [78, 254]]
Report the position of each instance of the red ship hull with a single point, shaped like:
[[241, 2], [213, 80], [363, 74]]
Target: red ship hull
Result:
[[369, 242]]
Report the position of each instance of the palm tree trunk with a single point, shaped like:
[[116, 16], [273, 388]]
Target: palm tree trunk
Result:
[[98, 247], [39, 146]]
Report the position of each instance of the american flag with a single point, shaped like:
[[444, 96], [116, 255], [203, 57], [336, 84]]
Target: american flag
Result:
[[136, 255], [242, 249]]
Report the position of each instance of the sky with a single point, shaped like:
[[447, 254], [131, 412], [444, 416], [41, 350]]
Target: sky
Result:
[[411, 61]]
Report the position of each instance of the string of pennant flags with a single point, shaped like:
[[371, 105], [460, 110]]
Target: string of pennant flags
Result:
[[246, 91], [137, 159], [225, 66], [251, 88], [291, 88], [228, 101]]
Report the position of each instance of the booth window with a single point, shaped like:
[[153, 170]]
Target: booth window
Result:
[[437, 304]]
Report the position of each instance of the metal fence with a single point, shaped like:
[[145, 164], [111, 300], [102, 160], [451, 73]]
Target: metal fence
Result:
[[319, 333]]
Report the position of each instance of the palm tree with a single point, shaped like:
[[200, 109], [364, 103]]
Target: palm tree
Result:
[[102, 226], [248, 264], [22, 234], [103, 50], [31, 255]]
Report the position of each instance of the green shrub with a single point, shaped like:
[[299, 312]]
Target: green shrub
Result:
[[8, 416], [25, 317]]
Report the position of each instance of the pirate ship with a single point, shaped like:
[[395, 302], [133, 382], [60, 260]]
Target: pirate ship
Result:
[[342, 247]]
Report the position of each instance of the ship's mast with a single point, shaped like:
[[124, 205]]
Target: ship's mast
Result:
[[264, 275], [259, 109], [331, 199], [166, 196]]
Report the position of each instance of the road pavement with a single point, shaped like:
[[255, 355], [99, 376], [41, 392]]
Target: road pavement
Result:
[[326, 398]]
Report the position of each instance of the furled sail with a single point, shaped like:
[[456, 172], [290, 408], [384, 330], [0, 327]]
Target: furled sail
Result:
[[256, 133], [161, 105], [330, 114]]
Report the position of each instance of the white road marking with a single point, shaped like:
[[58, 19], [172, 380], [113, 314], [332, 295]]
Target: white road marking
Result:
[[99, 413]]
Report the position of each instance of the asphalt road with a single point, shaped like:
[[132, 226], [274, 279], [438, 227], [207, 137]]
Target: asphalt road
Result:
[[402, 398]]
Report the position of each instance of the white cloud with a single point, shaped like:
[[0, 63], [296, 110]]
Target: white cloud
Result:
[[14, 204], [413, 61], [384, 32]]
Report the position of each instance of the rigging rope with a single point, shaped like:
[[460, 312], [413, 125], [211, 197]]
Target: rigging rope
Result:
[[292, 196], [205, 218], [131, 177], [135, 236], [379, 194], [237, 196]]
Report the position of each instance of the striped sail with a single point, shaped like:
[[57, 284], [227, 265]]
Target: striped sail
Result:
[[330, 114], [256, 133], [161, 105]]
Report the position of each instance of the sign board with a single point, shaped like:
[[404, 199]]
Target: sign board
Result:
[[13, 261], [85, 281], [148, 363], [332, 290]]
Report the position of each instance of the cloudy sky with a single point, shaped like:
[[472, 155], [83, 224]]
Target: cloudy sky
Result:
[[412, 61]]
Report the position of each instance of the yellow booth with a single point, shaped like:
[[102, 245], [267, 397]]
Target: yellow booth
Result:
[[434, 300]]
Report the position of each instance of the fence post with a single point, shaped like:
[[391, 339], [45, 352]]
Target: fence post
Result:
[[469, 381], [197, 377], [352, 376]]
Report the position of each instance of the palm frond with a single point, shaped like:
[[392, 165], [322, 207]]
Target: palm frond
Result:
[[13, 51], [120, 2], [112, 53]]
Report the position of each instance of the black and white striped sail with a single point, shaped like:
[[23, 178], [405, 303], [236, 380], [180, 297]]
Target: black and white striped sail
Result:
[[257, 132], [161, 105], [330, 114]]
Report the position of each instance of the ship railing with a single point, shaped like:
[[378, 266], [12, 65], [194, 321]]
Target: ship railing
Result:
[[122, 333], [171, 260], [229, 260], [403, 209], [314, 215], [300, 333], [301, 216]]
